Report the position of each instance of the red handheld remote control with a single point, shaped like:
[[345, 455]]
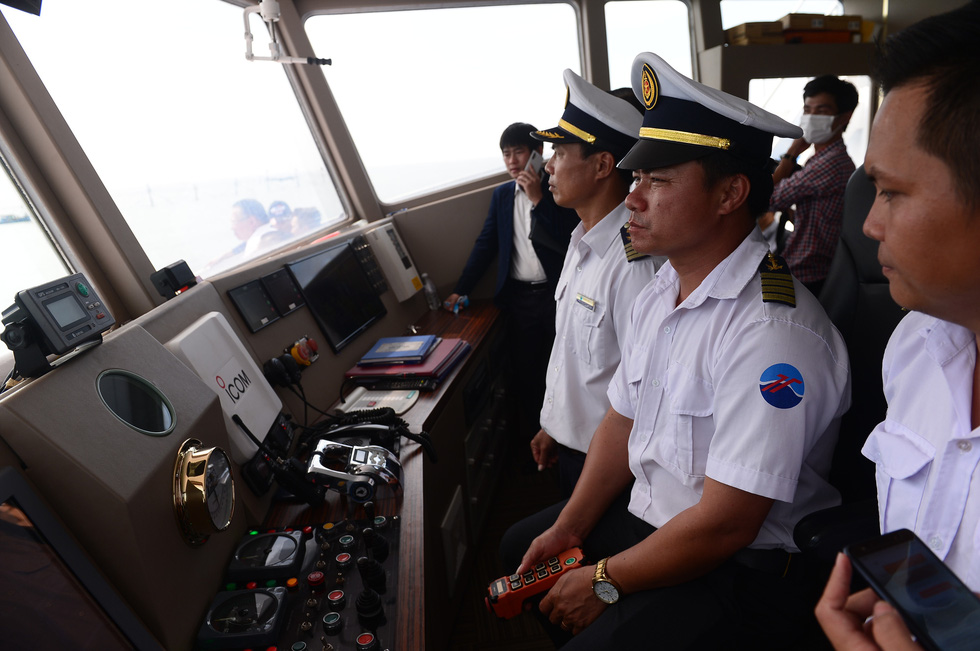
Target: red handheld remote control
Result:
[[507, 595]]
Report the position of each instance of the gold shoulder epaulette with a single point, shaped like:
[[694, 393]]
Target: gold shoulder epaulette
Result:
[[777, 281], [631, 253]]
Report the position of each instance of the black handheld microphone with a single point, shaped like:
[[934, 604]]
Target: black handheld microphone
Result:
[[290, 474]]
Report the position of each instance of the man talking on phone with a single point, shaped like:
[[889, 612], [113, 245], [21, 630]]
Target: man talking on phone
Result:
[[527, 234], [924, 160]]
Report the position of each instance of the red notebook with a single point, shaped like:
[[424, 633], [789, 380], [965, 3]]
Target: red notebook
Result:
[[436, 366]]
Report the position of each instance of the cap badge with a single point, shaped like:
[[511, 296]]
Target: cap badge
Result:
[[567, 93], [650, 87]]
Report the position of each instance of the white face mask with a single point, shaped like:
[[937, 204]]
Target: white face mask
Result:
[[817, 128]]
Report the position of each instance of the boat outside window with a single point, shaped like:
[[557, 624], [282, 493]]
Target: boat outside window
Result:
[[196, 145]]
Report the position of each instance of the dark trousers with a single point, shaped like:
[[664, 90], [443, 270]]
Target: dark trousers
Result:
[[732, 607], [530, 333], [570, 464]]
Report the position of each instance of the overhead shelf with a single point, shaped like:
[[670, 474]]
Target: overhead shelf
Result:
[[731, 67]]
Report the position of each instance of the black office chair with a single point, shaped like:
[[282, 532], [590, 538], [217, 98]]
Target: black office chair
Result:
[[856, 297]]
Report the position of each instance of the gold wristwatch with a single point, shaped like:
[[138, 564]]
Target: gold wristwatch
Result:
[[604, 587]]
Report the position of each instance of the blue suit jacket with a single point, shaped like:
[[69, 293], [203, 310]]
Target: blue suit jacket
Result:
[[551, 229]]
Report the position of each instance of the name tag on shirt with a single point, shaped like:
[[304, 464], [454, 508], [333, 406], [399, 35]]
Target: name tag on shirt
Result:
[[585, 302]]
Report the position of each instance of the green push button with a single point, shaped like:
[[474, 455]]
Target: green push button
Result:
[[82, 289]]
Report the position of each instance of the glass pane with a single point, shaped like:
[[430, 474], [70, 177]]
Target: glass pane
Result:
[[784, 97], [736, 12], [658, 26], [180, 126], [427, 93], [27, 256]]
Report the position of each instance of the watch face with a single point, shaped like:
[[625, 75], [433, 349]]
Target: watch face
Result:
[[606, 592]]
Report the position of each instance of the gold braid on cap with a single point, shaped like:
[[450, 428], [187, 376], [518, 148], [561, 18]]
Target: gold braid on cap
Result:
[[685, 137], [575, 131]]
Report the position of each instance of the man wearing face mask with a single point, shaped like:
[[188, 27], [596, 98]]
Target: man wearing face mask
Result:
[[817, 190]]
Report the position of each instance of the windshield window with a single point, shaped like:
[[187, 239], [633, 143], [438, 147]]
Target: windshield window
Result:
[[427, 93]]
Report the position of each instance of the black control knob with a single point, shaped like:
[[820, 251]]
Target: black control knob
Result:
[[333, 623], [368, 642], [376, 544], [315, 581], [370, 610], [372, 574], [336, 600], [344, 561], [346, 542], [369, 510]]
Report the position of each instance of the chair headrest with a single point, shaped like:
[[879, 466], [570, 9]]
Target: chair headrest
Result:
[[858, 198]]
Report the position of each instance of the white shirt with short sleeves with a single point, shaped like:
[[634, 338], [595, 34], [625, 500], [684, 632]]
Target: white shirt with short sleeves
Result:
[[593, 298], [926, 453], [730, 387]]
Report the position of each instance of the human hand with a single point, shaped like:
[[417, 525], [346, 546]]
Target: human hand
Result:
[[551, 542], [889, 629], [450, 302], [859, 622], [570, 603], [531, 184], [797, 147], [544, 449]]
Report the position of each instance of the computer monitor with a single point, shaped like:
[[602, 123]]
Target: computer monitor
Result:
[[52, 596], [338, 293]]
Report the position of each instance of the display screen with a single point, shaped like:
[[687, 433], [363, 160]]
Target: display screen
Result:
[[254, 304], [283, 292], [338, 293], [66, 311]]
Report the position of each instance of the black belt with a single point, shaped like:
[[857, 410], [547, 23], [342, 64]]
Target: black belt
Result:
[[522, 286], [771, 561]]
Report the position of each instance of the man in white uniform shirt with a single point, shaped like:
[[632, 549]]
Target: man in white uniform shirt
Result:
[[923, 158], [725, 406], [599, 279]]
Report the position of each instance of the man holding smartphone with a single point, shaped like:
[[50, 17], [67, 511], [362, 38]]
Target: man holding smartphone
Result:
[[527, 234], [924, 157]]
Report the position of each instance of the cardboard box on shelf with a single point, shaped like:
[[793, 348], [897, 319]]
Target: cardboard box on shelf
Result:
[[820, 36], [755, 33], [801, 22]]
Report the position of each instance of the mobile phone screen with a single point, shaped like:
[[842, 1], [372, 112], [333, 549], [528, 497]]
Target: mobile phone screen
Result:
[[937, 606]]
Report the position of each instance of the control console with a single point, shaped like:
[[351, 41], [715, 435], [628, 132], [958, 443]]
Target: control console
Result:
[[329, 586]]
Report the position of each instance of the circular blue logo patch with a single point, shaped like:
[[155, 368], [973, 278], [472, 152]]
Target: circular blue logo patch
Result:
[[782, 386]]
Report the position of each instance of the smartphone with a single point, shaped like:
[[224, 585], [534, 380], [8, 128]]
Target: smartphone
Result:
[[939, 609], [535, 163]]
